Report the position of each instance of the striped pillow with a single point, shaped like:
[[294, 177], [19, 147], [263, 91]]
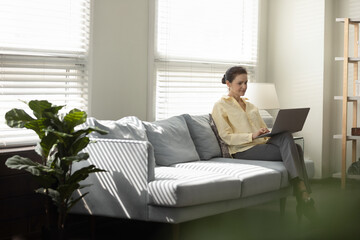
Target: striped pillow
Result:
[[223, 146]]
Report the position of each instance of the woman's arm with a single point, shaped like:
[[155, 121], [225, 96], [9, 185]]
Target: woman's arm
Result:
[[261, 131]]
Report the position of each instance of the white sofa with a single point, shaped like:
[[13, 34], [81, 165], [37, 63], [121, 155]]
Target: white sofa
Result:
[[173, 171]]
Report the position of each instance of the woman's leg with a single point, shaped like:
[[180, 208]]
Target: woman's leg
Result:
[[265, 152], [293, 158], [281, 147]]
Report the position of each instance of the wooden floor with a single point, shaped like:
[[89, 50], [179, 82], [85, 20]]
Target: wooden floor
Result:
[[339, 214]]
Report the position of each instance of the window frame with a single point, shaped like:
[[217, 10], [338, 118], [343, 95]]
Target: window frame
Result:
[[151, 103], [85, 63]]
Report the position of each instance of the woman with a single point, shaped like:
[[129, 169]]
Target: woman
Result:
[[239, 123]]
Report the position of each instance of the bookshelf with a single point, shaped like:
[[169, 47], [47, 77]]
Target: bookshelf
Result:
[[346, 98]]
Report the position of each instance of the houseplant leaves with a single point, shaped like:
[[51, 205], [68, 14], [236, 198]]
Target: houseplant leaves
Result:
[[60, 145]]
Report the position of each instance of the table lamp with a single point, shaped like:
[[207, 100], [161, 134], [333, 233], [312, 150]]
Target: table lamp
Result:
[[262, 95]]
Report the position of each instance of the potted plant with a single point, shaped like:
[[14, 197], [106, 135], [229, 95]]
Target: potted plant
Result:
[[61, 144]]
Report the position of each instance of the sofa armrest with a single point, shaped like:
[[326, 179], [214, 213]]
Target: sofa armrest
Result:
[[132, 157], [121, 191]]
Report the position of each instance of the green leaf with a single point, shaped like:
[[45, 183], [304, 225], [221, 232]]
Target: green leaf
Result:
[[96, 129], [38, 126], [77, 158], [17, 118], [73, 202], [79, 145], [39, 107], [83, 173], [52, 158], [35, 168], [86, 131], [59, 134], [54, 109], [66, 190], [21, 163], [56, 123], [47, 143], [74, 117], [43, 108]]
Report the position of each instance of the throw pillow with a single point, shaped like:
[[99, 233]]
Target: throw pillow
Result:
[[223, 146], [125, 128], [171, 141], [203, 136]]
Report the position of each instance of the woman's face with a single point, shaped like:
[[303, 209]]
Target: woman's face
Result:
[[238, 86]]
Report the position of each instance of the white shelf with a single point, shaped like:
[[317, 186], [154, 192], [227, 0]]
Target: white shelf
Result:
[[349, 98], [348, 137], [352, 20], [350, 59], [338, 175], [346, 98]]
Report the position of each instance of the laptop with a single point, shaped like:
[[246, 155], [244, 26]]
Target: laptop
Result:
[[291, 120]]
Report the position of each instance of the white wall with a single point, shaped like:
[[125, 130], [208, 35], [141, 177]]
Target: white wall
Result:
[[119, 59], [295, 63], [303, 39], [328, 98]]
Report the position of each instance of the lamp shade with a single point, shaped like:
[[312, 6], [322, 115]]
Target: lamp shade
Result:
[[262, 95]]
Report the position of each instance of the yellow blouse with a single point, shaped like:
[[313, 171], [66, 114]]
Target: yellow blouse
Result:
[[236, 126]]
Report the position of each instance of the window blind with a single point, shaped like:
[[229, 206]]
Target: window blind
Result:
[[43, 55], [195, 42]]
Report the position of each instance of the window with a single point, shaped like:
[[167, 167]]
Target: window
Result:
[[43, 55], [194, 43]]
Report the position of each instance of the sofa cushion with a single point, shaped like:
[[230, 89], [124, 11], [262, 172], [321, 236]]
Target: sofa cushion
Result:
[[203, 136], [223, 146], [278, 166], [176, 187], [255, 177], [171, 141], [125, 128]]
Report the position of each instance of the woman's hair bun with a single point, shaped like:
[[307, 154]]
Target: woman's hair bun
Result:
[[223, 80]]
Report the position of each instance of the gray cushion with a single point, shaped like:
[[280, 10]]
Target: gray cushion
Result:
[[203, 136], [274, 165], [176, 187], [125, 128], [255, 177], [171, 141]]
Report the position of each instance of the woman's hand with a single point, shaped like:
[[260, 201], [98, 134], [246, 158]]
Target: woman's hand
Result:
[[261, 131]]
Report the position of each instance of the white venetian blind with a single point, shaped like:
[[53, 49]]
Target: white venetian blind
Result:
[[195, 43], [43, 56]]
